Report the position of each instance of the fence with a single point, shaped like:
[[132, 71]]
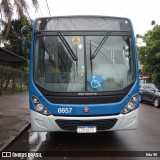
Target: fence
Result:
[[12, 80]]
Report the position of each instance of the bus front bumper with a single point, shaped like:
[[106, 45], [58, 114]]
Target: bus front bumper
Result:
[[43, 123]]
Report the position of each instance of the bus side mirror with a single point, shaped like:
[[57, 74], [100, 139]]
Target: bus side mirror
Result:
[[24, 45], [24, 35]]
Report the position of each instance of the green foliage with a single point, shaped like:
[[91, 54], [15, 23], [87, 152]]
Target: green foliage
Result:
[[149, 55], [13, 41], [8, 8]]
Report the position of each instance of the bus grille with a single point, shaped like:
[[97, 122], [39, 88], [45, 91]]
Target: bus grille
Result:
[[72, 125], [85, 100]]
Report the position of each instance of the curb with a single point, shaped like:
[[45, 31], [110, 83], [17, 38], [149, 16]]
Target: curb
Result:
[[14, 136]]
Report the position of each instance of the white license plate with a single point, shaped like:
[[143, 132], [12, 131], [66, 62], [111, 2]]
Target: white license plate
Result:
[[86, 129]]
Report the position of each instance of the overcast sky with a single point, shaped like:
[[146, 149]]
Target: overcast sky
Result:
[[141, 12]]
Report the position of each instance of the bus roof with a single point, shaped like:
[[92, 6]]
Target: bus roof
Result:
[[82, 23]]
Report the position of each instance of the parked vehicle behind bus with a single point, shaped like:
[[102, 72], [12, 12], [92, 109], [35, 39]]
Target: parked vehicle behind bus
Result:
[[149, 92]]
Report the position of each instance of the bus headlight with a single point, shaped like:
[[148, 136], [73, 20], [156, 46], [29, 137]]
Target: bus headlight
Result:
[[39, 106], [130, 105]]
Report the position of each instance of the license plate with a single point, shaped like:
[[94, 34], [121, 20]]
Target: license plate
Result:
[[86, 129]]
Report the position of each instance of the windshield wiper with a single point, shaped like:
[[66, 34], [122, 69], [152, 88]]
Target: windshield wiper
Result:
[[74, 57], [90, 52], [100, 45]]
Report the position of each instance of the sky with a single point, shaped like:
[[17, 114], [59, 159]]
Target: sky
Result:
[[140, 12]]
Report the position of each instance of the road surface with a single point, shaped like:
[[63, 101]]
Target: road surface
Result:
[[93, 146]]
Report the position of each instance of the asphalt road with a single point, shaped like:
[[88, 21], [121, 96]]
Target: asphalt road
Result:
[[146, 138]]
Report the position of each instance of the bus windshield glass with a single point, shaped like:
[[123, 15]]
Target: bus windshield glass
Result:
[[93, 63]]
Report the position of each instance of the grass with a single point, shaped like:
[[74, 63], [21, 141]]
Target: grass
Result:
[[16, 90]]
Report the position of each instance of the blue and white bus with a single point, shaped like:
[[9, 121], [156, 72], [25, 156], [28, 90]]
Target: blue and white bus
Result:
[[83, 74]]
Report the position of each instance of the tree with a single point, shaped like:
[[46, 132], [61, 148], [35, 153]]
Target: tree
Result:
[[13, 41], [149, 55], [21, 7]]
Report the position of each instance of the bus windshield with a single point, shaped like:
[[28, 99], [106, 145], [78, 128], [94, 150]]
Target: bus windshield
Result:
[[103, 62]]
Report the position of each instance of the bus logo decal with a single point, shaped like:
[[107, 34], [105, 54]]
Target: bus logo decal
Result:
[[86, 110], [87, 94]]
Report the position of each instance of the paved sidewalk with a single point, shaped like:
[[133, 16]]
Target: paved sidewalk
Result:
[[14, 117]]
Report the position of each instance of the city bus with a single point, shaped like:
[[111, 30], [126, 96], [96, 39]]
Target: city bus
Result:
[[84, 75]]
